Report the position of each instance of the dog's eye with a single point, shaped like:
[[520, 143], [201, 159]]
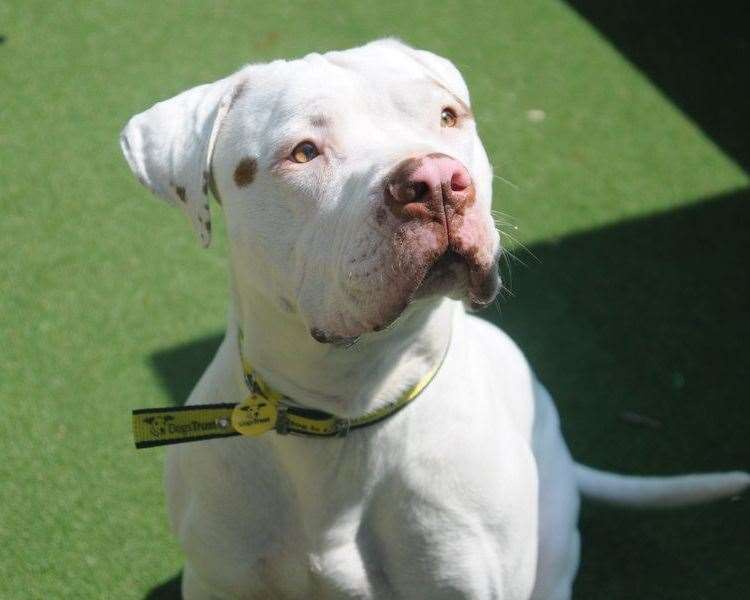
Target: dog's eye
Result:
[[448, 117], [304, 152]]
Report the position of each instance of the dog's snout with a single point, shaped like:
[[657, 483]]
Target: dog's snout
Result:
[[423, 186]]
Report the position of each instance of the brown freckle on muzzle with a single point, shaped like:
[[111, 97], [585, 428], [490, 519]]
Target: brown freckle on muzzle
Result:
[[244, 174]]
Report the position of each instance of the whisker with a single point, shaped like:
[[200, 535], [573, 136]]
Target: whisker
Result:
[[511, 255], [521, 245], [507, 181], [507, 266]]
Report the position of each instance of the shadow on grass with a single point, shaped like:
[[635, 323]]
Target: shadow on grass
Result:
[[169, 590], [180, 368], [648, 317], [696, 52]]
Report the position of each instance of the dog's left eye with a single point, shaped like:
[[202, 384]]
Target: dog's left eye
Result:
[[304, 152], [448, 117]]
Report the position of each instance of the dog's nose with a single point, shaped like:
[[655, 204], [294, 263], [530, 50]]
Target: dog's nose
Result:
[[421, 186]]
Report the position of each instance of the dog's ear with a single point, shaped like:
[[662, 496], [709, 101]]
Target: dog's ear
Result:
[[440, 69], [169, 147]]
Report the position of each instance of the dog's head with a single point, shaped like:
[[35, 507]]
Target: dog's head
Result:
[[352, 182]]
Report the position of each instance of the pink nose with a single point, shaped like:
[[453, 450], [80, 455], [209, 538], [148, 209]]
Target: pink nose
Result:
[[433, 182]]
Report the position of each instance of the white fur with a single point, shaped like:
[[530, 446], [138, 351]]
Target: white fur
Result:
[[470, 491]]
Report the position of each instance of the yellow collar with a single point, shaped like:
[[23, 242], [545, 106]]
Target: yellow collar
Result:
[[263, 410]]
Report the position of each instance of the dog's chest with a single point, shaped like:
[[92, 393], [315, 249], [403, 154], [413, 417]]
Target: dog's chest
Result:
[[353, 523]]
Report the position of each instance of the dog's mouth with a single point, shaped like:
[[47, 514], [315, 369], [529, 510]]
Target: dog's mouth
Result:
[[452, 275], [447, 276], [457, 277]]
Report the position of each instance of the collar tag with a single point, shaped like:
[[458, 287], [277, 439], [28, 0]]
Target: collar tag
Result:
[[254, 416]]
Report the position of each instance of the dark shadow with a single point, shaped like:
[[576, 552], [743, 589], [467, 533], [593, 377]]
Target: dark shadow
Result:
[[169, 590], [181, 367], [649, 317], [697, 53]]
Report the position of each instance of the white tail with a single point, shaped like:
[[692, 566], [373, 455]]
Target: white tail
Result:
[[659, 492]]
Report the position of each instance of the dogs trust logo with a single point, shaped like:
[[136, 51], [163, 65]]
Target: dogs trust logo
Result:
[[254, 413], [158, 424], [255, 416]]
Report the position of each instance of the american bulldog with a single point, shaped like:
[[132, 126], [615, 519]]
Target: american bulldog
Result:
[[357, 194]]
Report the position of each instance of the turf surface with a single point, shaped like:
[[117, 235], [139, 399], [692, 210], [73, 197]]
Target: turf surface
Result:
[[635, 298]]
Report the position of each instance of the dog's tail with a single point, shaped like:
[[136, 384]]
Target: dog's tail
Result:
[[659, 492]]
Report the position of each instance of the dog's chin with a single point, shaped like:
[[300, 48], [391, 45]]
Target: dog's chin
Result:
[[450, 276]]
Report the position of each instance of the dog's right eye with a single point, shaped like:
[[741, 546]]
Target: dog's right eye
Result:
[[304, 152]]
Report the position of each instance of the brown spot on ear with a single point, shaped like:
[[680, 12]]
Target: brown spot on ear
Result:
[[180, 193], [244, 174]]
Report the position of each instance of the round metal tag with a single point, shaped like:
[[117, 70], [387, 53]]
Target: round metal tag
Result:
[[254, 416]]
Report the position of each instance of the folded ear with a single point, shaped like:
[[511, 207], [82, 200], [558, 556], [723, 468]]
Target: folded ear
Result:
[[169, 147]]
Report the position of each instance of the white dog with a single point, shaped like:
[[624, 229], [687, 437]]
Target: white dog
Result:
[[357, 197]]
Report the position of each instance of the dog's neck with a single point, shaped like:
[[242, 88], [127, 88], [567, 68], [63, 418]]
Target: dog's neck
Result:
[[344, 381]]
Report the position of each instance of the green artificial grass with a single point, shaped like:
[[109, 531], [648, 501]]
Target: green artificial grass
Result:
[[631, 298]]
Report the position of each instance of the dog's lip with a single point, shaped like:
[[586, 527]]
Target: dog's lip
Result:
[[443, 269], [323, 336], [452, 273], [449, 258]]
